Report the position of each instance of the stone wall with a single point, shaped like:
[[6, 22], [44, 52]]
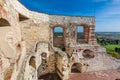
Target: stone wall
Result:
[[34, 32], [70, 24], [26, 35]]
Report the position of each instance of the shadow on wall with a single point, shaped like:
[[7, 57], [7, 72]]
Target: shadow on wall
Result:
[[50, 76], [4, 22]]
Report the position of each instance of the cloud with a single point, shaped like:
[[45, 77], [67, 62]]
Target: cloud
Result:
[[115, 1], [108, 16]]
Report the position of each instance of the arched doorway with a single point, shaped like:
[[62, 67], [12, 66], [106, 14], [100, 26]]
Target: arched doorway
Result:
[[58, 37], [76, 68]]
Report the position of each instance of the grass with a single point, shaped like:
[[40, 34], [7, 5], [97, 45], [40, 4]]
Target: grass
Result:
[[111, 50], [111, 47]]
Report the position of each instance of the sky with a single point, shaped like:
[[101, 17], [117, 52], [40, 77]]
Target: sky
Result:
[[107, 12]]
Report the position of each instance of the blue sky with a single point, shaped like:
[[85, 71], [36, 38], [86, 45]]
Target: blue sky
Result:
[[107, 12]]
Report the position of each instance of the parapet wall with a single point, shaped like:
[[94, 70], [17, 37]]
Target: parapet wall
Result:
[[66, 20]]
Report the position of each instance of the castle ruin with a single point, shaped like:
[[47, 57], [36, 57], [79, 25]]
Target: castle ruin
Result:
[[29, 49]]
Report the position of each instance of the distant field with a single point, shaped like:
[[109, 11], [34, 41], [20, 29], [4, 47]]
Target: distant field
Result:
[[111, 47]]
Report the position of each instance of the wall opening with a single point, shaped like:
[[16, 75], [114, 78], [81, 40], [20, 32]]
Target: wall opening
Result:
[[58, 38], [44, 66], [49, 76], [44, 57], [76, 68], [80, 35], [22, 17], [88, 54], [4, 23], [32, 62]]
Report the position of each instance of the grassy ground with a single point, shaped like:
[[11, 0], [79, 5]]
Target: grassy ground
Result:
[[111, 50], [111, 47]]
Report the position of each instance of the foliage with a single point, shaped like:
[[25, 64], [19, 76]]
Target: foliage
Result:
[[114, 54], [106, 41], [112, 47]]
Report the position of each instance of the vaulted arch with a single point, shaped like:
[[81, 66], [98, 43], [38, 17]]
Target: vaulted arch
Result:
[[76, 68], [4, 22]]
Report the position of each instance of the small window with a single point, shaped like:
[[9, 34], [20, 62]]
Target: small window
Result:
[[80, 35], [58, 39], [80, 32]]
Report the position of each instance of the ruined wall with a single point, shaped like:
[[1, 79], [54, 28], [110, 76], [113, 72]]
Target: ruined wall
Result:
[[34, 32], [70, 24], [30, 34]]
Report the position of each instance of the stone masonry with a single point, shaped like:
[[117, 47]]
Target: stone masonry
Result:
[[30, 51]]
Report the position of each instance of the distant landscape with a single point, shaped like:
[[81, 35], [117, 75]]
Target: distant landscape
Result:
[[109, 40]]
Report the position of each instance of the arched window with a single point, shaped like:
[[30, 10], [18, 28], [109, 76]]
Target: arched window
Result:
[[80, 35], [4, 23], [58, 37]]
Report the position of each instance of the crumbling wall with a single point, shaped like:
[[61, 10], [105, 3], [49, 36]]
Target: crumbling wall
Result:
[[28, 34], [70, 24], [33, 32]]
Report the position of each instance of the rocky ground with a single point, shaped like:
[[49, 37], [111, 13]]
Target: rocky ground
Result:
[[99, 75]]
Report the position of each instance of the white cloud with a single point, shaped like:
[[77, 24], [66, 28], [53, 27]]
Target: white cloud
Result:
[[115, 1], [109, 16]]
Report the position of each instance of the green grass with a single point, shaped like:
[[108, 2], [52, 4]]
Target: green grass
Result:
[[111, 50], [111, 47]]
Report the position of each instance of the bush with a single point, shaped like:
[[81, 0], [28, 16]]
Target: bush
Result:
[[117, 50], [114, 54]]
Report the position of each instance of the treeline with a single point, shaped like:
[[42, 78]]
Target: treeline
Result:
[[112, 50], [106, 41]]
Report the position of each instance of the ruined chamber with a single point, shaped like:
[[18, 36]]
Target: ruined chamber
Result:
[[30, 49]]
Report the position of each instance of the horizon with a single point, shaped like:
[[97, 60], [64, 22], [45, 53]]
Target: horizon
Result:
[[107, 12]]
